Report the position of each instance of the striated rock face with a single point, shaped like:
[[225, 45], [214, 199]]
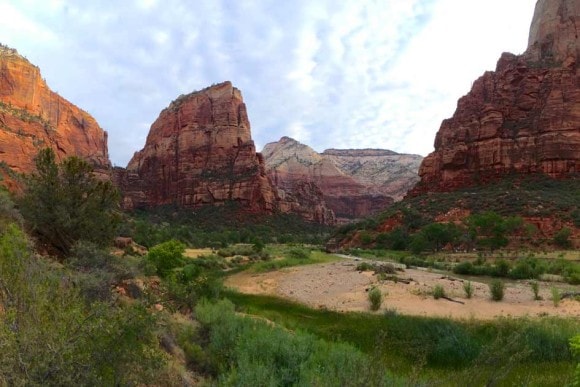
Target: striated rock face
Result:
[[198, 152], [355, 183], [34, 117], [523, 118]]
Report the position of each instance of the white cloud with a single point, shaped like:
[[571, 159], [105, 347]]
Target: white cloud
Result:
[[349, 74]]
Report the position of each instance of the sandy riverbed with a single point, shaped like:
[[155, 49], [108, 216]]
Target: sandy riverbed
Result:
[[339, 286]]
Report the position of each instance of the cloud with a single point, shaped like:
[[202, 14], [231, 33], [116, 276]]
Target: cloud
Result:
[[345, 74]]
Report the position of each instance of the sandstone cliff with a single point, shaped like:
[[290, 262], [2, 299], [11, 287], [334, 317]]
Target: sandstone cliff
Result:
[[522, 118], [33, 117], [355, 183], [199, 151]]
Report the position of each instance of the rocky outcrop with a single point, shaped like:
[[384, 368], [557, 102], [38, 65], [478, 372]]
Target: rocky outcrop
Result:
[[33, 117], [199, 152], [355, 183], [523, 118]]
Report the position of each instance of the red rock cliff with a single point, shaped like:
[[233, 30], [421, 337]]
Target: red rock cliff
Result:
[[33, 117], [523, 118], [198, 152]]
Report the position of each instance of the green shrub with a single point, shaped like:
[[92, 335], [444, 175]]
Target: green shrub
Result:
[[502, 268], [298, 253], [556, 296], [365, 266], [536, 289], [468, 289], [465, 268], [166, 256], [562, 238], [375, 297], [248, 352], [438, 291], [496, 287]]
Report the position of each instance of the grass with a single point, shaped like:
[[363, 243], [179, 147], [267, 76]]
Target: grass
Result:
[[496, 288], [283, 261], [468, 289], [375, 297], [402, 342], [438, 291]]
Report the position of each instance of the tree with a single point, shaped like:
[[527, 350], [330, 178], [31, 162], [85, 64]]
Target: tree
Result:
[[167, 256], [64, 203], [437, 235]]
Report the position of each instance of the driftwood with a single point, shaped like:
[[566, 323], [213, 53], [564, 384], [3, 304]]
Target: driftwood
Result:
[[452, 300], [569, 295]]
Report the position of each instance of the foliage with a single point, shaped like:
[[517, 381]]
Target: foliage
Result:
[[298, 253], [375, 297], [556, 296], [437, 235], [536, 290], [166, 256], [496, 288], [64, 203], [575, 348], [438, 291], [220, 226], [468, 289], [562, 238], [249, 352], [436, 342], [49, 336]]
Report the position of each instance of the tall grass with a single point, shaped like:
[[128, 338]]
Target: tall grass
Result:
[[403, 341], [245, 351]]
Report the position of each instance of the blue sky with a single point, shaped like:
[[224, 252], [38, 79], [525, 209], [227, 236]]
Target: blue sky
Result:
[[329, 73]]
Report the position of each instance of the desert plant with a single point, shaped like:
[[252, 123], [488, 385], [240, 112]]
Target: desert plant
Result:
[[496, 287], [375, 297], [468, 289], [556, 296], [536, 289], [298, 253], [438, 291]]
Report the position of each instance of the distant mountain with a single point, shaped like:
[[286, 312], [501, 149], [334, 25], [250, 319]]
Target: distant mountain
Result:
[[355, 183]]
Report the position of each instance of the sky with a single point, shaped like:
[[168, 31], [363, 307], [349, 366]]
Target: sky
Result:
[[328, 73]]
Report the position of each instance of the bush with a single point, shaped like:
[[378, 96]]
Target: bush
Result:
[[468, 289], [298, 253], [438, 291], [465, 268], [556, 296], [536, 289], [166, 256], [365, 266], [562, 238], [375, 297], [496, 287]]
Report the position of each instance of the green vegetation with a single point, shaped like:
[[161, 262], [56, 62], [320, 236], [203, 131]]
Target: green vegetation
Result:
[[468, 289], [496, 288], [220, 226], [470, 349], [375, 297], [575, 348], [51, 336], [536, 289], [556, 296], [248, 352], [166, 256], [64, 203], [438, 291]]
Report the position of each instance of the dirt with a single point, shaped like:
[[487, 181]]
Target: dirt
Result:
[[339, 286]]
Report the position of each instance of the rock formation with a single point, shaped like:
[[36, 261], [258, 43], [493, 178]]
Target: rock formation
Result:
[[355, 183], [523, 118], [199, 151], [33, 117]]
